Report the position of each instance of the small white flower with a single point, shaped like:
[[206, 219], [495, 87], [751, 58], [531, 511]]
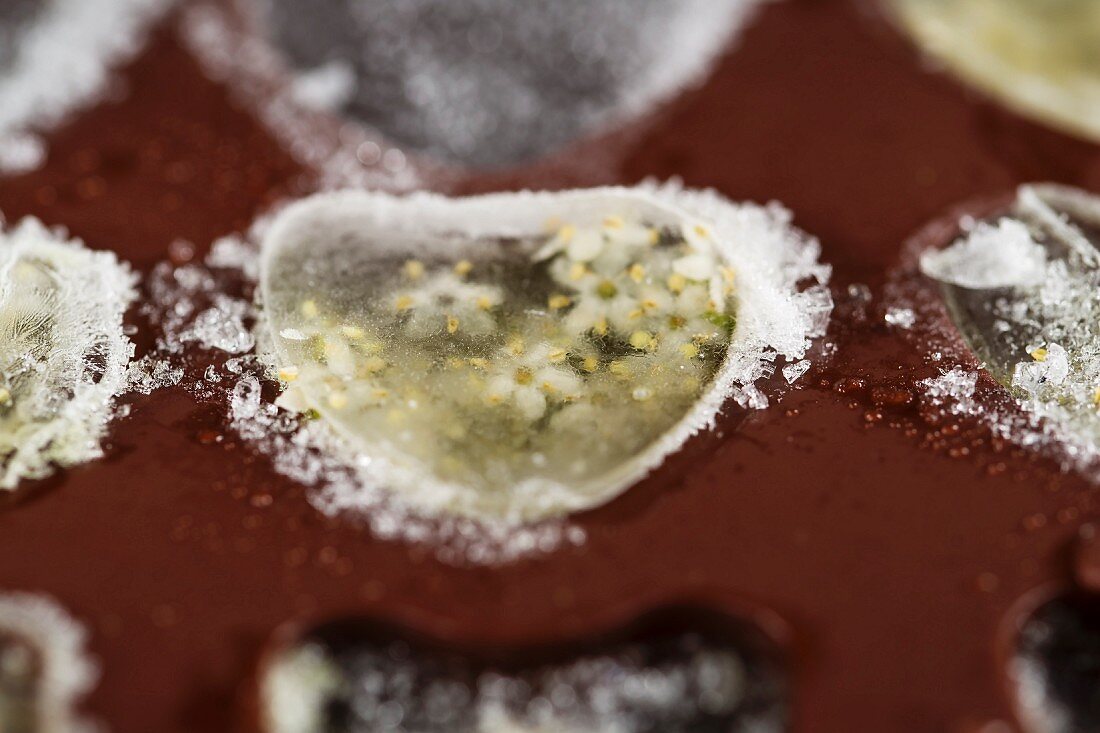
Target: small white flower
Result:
[[445, 301], [532, 380], [604, 304], [585, 246], [696, 266]]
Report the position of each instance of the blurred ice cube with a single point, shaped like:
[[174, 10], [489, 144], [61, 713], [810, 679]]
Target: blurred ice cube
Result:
[[495, 82]]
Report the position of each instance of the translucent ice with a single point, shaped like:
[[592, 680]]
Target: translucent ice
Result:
[[793, 372], [494, 82], [44, 668], [683, 683], [1038, 330], [56, 55], [520, 356], [63, 354], [1042, 58]]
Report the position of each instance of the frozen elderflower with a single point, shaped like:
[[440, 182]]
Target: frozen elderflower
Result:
[[443, 300], [532, 381], [413, 269], [63, 353], [531, 372]]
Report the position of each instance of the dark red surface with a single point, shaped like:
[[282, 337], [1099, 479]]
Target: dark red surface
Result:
[[891, 557]]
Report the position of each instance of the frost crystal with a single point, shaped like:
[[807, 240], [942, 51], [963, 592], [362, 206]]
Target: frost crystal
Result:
[[901, 317], [63, 354], [44, 667], [148, 374], [953, 389], [672, 685], [793, 372], [1039, 330], [1003, 255], [221, 327], [56, 55]]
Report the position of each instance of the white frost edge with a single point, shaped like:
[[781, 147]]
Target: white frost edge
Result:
[[64, 62], [68, 672], [108, 286], [770, 257]]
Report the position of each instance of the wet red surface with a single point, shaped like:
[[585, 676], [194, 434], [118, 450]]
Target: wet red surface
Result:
[[887, 555]]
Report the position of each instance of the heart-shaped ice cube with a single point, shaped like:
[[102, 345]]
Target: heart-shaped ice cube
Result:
[[1056, 668], [1038, 58], [527, 355], [493, 82], [1022, 288], [63, 354]]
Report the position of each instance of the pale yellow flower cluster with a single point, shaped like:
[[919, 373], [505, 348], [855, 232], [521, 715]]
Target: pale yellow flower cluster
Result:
[[602, 333]]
